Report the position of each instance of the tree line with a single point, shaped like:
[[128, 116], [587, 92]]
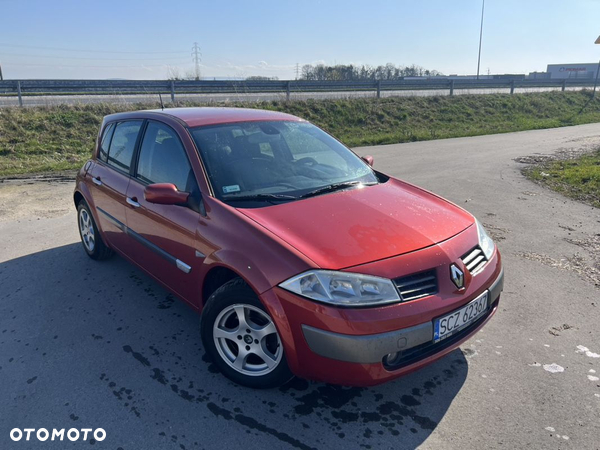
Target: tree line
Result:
[[350, 72]]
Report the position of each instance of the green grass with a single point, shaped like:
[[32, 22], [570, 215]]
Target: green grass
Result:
[[56, 138], [578, 178]]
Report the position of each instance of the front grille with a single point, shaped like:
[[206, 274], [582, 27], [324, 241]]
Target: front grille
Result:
[[474, 260], [417, 285]]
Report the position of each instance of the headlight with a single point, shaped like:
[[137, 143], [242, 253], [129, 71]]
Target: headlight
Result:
[[343, 288], [485, 242]]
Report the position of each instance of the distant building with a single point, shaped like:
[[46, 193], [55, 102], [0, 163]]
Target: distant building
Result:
[[538, 75], [562, 71]]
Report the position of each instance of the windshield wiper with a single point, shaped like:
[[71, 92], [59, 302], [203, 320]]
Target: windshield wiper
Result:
[[258, 197], [335, 187]]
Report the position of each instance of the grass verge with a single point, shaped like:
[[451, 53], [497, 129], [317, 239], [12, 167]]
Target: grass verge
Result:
[[577, 178], [57, 138]]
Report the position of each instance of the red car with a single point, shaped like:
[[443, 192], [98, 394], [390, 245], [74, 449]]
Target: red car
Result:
[[302, 258]]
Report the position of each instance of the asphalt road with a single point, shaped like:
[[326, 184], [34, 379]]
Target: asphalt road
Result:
[[48, 100], [87, 345]]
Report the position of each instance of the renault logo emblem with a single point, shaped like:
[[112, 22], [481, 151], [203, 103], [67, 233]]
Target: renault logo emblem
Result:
[[457, 276]]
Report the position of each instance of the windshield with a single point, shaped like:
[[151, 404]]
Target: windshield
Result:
[[277, 161]]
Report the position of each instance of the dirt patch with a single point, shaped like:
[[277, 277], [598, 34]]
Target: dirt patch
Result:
[[576, 263], [590, 244], [556, 331], [496, 233], [35, 199], [534, 159], [588, 146]]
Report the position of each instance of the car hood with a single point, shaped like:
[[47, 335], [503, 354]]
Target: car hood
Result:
[[361, 225]]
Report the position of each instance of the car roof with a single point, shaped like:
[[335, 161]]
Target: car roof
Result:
[[196, 117]]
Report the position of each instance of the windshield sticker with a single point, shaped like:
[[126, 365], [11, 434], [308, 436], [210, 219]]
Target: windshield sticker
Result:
[[231, 188]]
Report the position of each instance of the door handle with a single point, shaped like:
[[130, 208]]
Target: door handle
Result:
[[133, 202], [97, 181]]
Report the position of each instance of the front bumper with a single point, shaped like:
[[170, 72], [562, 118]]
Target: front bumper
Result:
[[346, 346], [373, 348]]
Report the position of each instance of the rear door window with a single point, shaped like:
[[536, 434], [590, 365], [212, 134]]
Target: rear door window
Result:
[[122, 144]]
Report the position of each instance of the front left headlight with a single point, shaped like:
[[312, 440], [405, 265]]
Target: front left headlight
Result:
[[342, 288], [485, 242]]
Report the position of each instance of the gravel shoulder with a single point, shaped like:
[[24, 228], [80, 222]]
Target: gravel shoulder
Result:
[[22, 199]]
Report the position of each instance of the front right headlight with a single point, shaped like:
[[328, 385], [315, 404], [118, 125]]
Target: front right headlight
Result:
[[485, 241], [343, 288]]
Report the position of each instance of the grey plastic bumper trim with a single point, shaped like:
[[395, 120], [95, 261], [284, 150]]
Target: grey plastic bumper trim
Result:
[[496, 288], [365, 349], [372, 348]]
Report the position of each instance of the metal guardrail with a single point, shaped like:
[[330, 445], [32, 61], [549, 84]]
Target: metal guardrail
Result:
[[22, 88]]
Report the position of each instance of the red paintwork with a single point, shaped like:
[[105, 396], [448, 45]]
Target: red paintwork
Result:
[[110, 196], [347, 228], [390, 230], [165, 194], [194, 117], [306, 364], [295, 312]]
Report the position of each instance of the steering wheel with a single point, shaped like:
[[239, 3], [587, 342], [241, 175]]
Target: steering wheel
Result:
[[307, 161]]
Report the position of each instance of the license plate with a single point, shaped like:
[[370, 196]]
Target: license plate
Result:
[[448, 325]]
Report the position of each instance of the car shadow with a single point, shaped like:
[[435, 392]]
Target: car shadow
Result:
[[101, 344]]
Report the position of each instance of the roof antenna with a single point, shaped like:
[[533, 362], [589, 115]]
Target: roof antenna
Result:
[[161, 102]]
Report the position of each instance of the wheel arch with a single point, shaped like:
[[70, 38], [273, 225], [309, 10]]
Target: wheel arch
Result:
[[82, 193], [77, 197], [216, 277], [228, 263]]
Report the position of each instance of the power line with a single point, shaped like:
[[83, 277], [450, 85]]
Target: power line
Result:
[[92, 58], [82, 65], [196, 56], [3, 44]]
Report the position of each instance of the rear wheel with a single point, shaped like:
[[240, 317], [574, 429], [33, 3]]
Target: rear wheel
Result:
[[92, 242], [242, 339]]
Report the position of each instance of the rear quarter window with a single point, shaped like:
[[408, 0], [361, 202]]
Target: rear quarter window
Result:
[[105, 142]]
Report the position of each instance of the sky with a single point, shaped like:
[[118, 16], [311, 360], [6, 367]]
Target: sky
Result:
[[153, 39]]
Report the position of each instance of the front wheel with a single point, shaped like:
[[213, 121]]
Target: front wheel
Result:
[[241, 338]]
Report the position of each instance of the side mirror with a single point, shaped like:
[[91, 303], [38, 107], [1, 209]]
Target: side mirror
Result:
[[368, 159], [165, 194]]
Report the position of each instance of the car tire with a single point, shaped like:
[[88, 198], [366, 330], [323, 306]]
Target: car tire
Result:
[[248, 352], [91, 240]]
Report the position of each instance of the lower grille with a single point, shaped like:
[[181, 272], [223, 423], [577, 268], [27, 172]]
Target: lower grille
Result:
[[417, 285], [474, 260], [427, 349]]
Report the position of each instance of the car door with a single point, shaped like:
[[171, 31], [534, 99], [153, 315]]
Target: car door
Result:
[[164, 236], [110, 180]]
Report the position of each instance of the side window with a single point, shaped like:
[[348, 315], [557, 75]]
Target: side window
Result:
[[105, 142], [163, 159], [122, 144]]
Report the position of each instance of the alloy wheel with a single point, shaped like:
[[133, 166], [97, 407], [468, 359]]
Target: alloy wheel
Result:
[[247, 340], [86, 227]]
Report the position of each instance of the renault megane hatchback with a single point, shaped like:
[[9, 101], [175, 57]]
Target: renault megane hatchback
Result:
[[302, 258]]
